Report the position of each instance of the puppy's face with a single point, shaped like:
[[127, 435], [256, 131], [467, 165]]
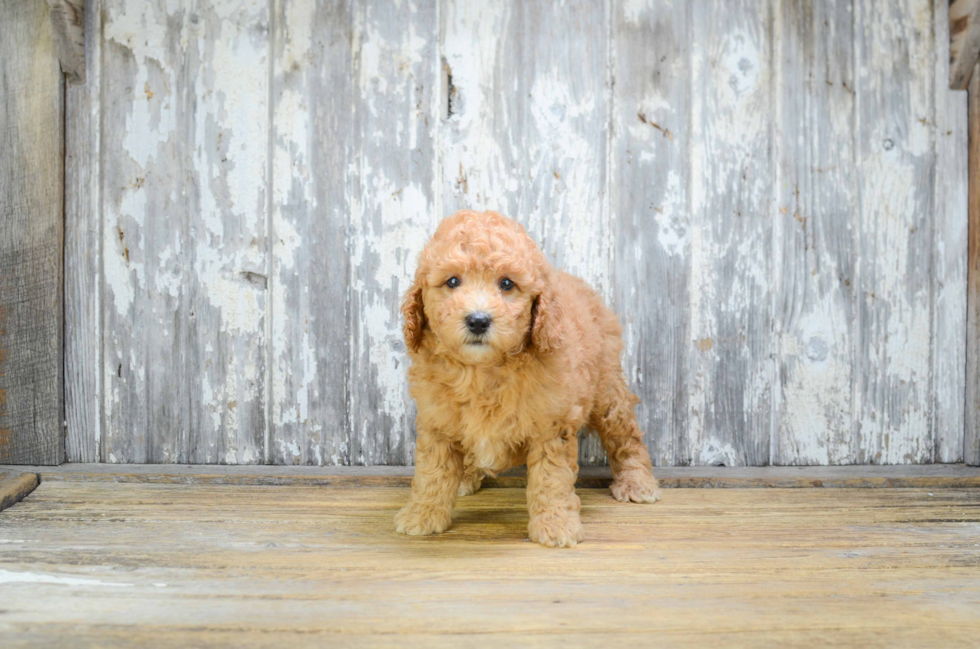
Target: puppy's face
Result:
[[478, 311], [476, 286]]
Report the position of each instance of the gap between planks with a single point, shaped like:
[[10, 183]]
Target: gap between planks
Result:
[[950, 476]]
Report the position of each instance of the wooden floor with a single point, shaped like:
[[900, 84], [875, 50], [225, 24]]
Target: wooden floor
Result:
[[111, 564]]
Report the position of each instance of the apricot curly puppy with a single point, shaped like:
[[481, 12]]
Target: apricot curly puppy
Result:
[[510, 358]]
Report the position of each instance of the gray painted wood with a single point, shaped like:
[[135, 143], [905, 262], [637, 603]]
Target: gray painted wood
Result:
[[31, 237], [83, 261], [184, 236], [892, 222], [771, 194], [730, 398], [392, 211], [949, 249], [68, 24], [313, 90], [650, 199], [815, 250]]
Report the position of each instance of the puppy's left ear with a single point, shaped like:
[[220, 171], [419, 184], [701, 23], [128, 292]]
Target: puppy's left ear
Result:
[[546, 316], [413, 310]]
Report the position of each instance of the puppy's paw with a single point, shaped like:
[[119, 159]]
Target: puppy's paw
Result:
[[417, 520], [637, 485], [470, 485], [558, 528]]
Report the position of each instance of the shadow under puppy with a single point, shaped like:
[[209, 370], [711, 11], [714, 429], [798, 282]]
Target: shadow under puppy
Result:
[[510, 358]]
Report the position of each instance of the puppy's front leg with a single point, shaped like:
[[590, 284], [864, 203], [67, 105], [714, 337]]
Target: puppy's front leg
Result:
[[438, 470], [553, 506]]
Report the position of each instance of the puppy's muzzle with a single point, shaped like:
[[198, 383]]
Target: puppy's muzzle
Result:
[[478, 322]]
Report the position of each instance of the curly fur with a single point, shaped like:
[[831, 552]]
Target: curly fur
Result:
[[548, 366]]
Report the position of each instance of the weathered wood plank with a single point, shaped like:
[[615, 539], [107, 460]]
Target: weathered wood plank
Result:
[[147, 182], [649, 189], [184, 234], [31, 237], [392, 213], [313, 92], [227, 256], [814, 256], [83, 253], [730, 400], [896, 158], [781, 567], [524, 128], [949, 476], [949, 250], [964, 41], [68, 23], [971, 444], [15, 486]]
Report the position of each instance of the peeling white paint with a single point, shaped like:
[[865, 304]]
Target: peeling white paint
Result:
[[528, 135]]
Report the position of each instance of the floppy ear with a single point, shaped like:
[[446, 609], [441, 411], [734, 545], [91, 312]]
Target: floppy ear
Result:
[[546, 329], [414, 314]]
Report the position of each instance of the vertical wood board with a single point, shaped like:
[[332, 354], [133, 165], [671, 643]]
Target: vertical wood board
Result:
[[31, 237], [83, 253], [184, 247], [650, 200], [814, 247], [896, 157], [310, 154], [731, 123]]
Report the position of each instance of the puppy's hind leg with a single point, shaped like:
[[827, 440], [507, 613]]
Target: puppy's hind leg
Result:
[[472, 479], [615, 421]]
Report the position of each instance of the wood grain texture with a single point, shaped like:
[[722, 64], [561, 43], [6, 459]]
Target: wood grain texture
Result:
[[964, 41], [771, 195], [815, 247], [15, 486], [68, 25], [730, 400], [315, 566], [392, 213], [31, 237], [650, 196], [949, 250], [971, 442], [896, 172], [313, 88], [83, 253], [185, 120]]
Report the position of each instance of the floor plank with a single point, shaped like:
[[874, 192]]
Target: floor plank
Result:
[[88, 563]]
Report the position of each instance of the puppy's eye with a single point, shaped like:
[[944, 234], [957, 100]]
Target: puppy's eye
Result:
[[453, 282], [506, 284]]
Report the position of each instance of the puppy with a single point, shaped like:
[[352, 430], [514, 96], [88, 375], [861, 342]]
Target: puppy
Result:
[[510, 358]]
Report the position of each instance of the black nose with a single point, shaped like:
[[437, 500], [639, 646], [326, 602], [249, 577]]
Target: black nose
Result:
[[478, 322]]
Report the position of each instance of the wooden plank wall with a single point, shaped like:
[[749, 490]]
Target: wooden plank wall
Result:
[[31, 236], [772, 194]]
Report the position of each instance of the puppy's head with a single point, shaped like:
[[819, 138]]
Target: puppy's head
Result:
[[482, 290]]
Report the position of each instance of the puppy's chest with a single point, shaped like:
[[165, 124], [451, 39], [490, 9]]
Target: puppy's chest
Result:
[[494, 414]]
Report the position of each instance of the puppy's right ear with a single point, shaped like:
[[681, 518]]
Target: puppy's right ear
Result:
[[414, 313]]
